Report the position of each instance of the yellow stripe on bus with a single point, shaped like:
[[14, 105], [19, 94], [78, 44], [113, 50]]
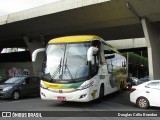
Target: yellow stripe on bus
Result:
[[55, 86], [69, 39]]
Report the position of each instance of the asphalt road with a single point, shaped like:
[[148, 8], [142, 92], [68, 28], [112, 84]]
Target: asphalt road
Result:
[[113, 102]]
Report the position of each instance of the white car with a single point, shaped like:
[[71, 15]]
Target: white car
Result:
[[146, 94]]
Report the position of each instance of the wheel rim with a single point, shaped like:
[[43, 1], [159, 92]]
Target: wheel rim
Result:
[[142, 103], [16, 95]]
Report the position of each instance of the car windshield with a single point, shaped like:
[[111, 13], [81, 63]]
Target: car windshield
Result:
[[154, 85], [14, 80], [66, 61]]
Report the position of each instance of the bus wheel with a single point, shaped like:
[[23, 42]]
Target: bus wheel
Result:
[[121, 87], [101, 94]]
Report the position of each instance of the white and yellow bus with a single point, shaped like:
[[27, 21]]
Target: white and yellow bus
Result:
[[81, 68]]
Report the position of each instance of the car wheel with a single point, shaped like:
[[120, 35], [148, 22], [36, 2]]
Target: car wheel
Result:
[[142, 102], [15, 95]]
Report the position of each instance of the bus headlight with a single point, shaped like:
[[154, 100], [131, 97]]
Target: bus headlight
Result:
[[85, 86]]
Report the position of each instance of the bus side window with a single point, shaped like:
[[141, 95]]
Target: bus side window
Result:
[[109, 60], [110, 68]]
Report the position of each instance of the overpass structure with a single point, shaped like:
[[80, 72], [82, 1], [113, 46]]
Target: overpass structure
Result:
[[110, 19], [128, 43]]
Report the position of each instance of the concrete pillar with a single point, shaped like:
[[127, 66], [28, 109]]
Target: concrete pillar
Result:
[[153, 43], [33, 45]]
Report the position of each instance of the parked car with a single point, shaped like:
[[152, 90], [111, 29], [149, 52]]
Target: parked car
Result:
[[1, 79], [142, 80], [17, 87], [130, 82], [146, 94]]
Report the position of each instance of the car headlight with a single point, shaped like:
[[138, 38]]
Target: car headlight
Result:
[[7, 88], [85, 86]]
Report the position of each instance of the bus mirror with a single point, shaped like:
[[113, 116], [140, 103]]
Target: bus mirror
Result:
[[34, 54], [91, 51]]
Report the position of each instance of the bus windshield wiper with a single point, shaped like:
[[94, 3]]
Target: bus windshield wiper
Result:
[[58, 69], [66, 67]]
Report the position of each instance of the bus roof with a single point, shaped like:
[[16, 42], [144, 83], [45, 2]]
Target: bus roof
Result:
[[78, 38]]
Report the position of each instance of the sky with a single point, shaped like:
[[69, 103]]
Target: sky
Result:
[[11, 6]]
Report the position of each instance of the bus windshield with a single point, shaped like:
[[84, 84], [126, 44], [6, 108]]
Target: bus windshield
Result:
[[66, 61]]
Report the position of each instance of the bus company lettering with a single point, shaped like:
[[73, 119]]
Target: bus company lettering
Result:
[[53, 86]]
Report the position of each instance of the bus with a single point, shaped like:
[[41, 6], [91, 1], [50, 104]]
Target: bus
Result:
[[81, 69]]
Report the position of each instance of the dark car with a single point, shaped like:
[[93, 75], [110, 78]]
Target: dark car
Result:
[[17, 87], [142, 80], [1, 79], [131, 81]]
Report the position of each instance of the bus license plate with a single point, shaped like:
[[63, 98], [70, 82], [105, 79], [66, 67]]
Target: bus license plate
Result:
[[61, 98]]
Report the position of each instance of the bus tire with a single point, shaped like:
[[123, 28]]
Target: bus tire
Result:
[[101, 94], [121, 87]]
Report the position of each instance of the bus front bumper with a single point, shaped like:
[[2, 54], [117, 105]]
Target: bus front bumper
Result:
[[77, 96]]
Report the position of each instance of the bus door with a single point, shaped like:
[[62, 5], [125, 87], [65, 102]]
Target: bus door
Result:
[[111, 69]]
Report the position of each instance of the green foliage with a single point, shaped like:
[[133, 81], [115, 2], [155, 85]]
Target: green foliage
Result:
[[120, 71], [136, 59]]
